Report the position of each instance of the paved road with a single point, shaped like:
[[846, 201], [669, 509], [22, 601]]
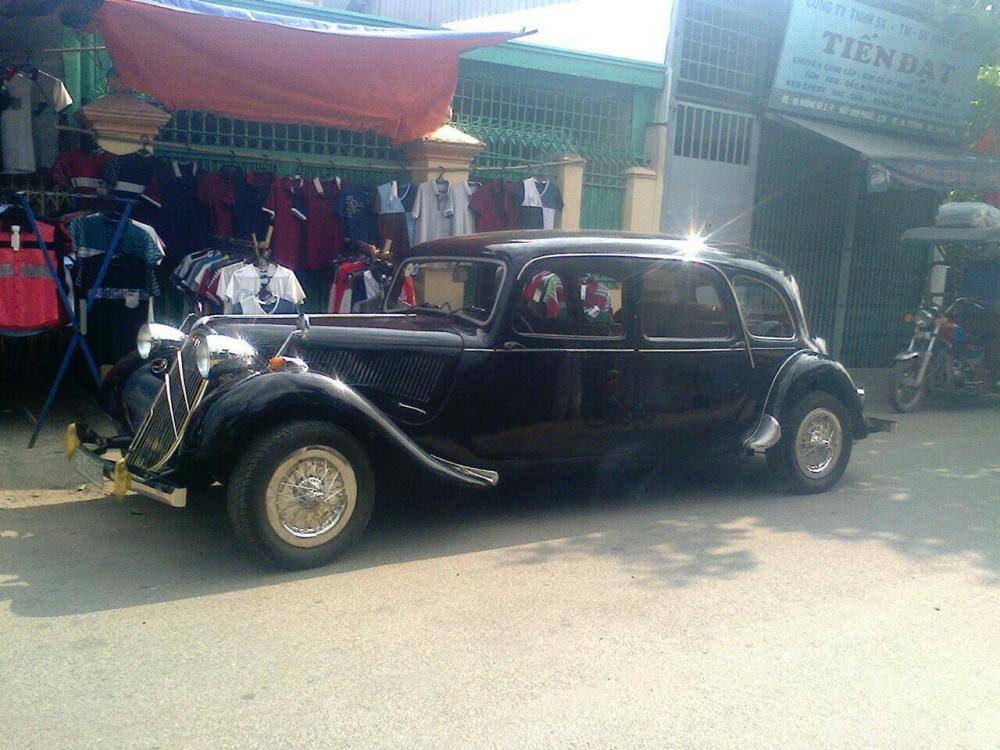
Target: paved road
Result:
[[699, 609]]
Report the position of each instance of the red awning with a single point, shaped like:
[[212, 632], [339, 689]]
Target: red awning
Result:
[[266, 67]]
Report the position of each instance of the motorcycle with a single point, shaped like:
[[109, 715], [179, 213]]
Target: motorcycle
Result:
[[943, 355], [955, 346]]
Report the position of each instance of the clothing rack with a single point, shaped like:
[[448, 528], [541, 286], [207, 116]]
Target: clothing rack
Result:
[[227, 153], [92, 295]]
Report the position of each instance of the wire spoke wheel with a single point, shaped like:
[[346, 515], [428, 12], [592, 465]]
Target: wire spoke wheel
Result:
[[311, 496], [818, 443], [906, 394]]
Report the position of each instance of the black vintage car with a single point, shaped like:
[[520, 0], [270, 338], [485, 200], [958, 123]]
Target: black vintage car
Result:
[[493, 353]]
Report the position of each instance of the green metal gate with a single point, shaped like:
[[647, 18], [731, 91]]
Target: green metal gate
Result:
[[523, 123]]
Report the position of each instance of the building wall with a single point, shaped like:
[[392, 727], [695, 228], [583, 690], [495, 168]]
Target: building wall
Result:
[[720, 56]]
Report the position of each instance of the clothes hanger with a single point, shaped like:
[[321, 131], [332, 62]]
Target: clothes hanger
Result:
[[440, 178]]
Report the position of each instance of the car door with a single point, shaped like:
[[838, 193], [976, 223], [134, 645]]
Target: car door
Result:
[[694, 366], [563, 364]]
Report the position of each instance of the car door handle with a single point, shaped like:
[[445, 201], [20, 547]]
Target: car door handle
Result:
[[512, 345]]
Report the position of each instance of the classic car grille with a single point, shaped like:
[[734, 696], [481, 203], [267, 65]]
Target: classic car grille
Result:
[[402, 375], [162, 428]]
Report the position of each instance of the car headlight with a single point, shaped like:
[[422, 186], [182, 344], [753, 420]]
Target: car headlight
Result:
[[214, 349], [153, 335]]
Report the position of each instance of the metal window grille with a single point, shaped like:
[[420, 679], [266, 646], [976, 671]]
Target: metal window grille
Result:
[[522, 124], [724, 47], [713, 134], [203, 129]]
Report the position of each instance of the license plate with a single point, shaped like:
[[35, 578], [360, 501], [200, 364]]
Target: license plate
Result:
[[89, 466]]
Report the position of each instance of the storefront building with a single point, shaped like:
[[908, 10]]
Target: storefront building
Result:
[[819, 132]]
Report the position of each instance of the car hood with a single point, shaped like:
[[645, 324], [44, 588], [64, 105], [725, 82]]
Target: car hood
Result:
[[404, 364]]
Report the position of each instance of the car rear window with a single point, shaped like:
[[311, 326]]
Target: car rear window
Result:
[[682, 300], [764, 311]]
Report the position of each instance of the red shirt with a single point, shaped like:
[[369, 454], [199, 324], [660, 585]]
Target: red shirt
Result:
[[284, 203], [81, 172], [324, 229], [217, 191], [494, 206]]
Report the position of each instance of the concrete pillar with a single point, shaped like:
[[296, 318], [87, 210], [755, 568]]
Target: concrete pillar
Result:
[[642, 212], [569, 176], [447, 148]]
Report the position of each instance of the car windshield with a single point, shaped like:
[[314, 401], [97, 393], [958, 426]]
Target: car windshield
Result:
[[467, 288]]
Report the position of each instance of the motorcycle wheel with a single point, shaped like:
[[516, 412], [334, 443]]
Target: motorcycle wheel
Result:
[[905, 395]]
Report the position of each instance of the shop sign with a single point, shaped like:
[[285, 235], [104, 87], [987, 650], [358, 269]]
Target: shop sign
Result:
[[852, 62]]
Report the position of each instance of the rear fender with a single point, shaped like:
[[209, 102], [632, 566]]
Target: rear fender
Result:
[[807, 371], [227, 421]]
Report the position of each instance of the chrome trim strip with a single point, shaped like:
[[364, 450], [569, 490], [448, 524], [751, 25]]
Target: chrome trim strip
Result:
[[180, 365], [170, 401], [487, 475], [620, 350], [180, 435], [767, 435]]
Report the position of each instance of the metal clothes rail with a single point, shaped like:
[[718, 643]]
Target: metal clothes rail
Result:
[[92, 295]]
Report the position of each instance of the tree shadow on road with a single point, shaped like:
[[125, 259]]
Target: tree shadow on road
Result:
[[666, 528]]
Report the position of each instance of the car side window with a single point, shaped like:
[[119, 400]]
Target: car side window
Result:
[[682, 300], [764, 311], [577, 297]]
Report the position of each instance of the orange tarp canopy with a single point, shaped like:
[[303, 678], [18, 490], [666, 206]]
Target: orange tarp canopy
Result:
[[272, 68]]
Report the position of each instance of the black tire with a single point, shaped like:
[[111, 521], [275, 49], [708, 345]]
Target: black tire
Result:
[[785, 460], [255, 506], [905, 397]]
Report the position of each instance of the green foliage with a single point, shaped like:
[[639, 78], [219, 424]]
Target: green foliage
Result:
[[985, 103]]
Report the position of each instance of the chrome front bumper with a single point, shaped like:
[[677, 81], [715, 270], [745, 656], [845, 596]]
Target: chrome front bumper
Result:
[[117, 472]]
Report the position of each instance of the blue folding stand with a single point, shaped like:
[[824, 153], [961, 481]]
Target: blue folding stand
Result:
[[92, 295]]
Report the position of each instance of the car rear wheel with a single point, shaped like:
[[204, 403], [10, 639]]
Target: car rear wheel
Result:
[[302, 494], [815, 444]]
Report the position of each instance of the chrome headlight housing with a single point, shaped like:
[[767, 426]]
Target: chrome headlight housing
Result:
[[924, 319], [214, 349], [154, 335]]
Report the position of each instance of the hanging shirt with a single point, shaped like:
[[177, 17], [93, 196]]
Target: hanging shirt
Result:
[[354, 206], [392, 220], [433, 210], [133, 177], [464, 220], [28, 122], [493, 205], [247, 282], [324, 229], [289, 214], [408, 197], [217, 191], [250, 192], [541, 201], [182, 220], [80, 172]]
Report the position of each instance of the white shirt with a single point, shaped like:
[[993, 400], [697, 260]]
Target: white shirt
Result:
[[246, 283], [32, 142], [464, 221], [433, 210]]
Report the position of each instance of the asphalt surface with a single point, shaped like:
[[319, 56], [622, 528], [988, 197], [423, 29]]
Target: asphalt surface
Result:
[[699, 608]]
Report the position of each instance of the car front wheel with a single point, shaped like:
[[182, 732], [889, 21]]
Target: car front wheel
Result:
[[815, 444], [302, 494]]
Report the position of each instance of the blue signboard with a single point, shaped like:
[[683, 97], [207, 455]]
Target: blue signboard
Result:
[[852, 62]]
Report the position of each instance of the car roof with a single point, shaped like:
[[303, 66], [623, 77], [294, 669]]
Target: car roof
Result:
[[521, 247]]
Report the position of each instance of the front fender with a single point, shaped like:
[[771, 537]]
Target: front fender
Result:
[[229, 419], [806, 371]]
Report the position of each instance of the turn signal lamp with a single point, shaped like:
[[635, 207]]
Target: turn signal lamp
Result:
[[287, 364]]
